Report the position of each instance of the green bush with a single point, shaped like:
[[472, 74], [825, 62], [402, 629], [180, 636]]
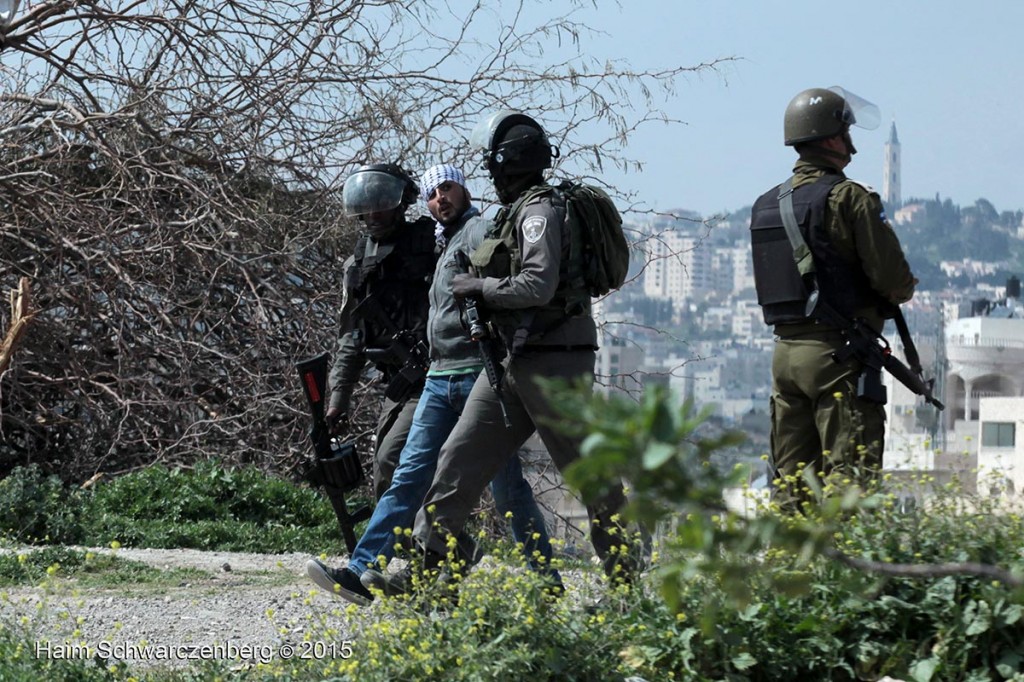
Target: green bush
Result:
[[209, 507], [821, 596], [19, 662], [38, 508], [32, 567]]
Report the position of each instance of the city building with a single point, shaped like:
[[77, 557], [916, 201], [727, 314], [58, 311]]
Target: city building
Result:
[[891, 170], [1000, 451], [679, 269], [617, 367], [982, 387]]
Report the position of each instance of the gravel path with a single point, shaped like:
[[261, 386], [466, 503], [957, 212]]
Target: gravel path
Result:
[[242, 606]]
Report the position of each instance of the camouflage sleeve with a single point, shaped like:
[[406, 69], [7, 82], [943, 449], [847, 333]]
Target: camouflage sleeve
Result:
[[877, 247], [349, 358], [540, 234]]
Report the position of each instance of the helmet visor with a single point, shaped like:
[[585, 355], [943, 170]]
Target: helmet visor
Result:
[[857, 110], [371, 191], [482, 136]]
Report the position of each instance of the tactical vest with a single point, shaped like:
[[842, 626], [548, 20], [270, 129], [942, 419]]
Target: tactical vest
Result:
[[781, 293], [499, 256], [397, 275]]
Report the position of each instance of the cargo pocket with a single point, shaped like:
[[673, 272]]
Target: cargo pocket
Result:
[[492, 259]]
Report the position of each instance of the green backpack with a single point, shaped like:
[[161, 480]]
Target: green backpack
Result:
[[599, 258], [598, 255]]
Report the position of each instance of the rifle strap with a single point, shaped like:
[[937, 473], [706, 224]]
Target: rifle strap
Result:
[[805, 264], [801, 252], [909, 349]]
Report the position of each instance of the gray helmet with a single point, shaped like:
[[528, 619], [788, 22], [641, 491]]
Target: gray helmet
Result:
[[512, 144], [820, 113], [378, 187]]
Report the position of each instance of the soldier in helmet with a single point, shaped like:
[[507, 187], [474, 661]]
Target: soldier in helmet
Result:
[[855, 263], [384, 309], [455, 363], [546, 331]]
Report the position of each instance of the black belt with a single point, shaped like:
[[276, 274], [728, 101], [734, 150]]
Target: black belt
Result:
[[814, 336]]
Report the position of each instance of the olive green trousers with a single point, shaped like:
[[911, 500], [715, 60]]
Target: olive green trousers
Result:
[[818, 422]]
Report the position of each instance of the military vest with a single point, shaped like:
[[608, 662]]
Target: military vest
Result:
[[781, 293], [499, 256], [397, 276]]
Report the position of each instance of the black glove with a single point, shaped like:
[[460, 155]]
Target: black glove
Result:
[[464, 286], [337, 421]]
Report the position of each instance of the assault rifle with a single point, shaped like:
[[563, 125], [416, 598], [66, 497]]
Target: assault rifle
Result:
[[337, 466], [873, 351], [405, 351], [481, 333]]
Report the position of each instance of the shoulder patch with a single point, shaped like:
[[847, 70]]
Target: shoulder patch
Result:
[[533, 228], [864, 185]]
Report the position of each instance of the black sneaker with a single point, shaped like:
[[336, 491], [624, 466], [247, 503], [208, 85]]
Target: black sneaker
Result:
[[339, 581]]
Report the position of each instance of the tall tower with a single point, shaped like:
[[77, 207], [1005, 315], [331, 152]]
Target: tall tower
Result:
[[891, 170]]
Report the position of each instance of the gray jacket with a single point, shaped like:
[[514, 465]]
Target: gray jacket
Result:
[[450, 345]]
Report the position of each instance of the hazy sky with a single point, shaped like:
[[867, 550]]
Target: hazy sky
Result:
[[950, 72]]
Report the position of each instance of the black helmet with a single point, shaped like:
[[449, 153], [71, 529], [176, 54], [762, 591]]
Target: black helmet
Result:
[[512, 144], [378, 187], [821, 113]]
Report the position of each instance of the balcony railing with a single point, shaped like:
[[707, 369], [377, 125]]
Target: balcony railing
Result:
[[963, 342]]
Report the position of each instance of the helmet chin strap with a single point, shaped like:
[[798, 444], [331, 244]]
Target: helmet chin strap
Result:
[[849, 143], [844, 156]]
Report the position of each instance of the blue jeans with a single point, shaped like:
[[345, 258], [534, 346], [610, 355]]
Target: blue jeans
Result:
[[438, 410]]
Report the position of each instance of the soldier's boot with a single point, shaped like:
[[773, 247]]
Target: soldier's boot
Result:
[[626, 561], [432, 576], [420, 572]]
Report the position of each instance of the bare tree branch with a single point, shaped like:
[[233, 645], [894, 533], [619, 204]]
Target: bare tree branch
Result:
[[927, 570], [169, 175]]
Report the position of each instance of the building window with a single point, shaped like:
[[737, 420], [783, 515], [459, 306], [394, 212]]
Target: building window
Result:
[[998, 434]]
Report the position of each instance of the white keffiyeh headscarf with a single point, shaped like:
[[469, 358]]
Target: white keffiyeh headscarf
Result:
[[430, 180]]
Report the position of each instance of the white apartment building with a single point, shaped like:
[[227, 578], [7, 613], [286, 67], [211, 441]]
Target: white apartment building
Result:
[[986, 359], [717, 318], [617, 367], [906, 214], [983, 391], [680, 269], [1001, 446], [742, 268]]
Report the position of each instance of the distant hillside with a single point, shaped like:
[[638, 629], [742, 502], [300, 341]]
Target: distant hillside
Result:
[[933, 231], [942, 231]]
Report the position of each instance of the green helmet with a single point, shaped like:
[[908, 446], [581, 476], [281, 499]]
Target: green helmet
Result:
[[820, 113]]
